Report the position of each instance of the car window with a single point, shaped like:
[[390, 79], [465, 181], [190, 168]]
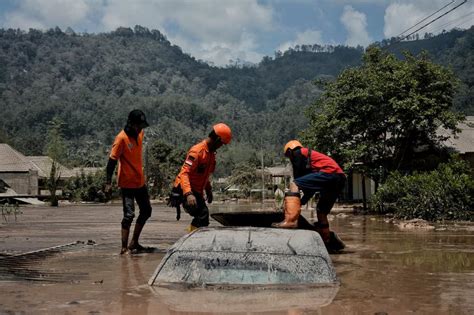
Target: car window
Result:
[[207, 267]]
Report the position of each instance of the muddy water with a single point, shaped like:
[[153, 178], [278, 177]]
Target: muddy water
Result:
[[383, 270]]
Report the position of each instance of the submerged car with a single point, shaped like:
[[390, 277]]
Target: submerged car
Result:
[[246, 256], [246, 269]]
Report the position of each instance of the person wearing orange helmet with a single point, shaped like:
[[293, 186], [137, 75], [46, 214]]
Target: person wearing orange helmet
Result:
[[193, 178], [312, 172]]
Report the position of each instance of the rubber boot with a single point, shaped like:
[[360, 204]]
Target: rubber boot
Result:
[[292, 210], [191, 228]]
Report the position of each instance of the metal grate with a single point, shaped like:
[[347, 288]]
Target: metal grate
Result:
[[27, 266]]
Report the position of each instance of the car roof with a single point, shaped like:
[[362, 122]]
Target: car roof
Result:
[[254, 239]]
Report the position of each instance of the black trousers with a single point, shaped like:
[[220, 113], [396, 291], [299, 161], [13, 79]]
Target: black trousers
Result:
[[328, 185], [200, 213], [129, 196]]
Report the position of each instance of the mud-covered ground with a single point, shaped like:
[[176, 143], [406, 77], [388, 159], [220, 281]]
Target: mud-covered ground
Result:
[[385, 269]]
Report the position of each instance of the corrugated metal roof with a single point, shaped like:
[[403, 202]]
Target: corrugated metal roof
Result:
[[12, 160], [43, 165], [280, 170], [463, 142]]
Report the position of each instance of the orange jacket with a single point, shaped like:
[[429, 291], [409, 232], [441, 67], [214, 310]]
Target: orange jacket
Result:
[[128, 152], [198, 166]]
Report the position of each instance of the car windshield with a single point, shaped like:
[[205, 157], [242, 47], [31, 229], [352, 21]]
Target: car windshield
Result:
[[207, 267]]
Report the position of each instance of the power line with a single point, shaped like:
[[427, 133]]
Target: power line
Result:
[[462, 19], [424, 19], [459, 25], [430, 22]]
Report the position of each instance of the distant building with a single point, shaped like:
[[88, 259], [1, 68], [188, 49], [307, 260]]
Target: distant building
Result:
[[43, 165], [280, 175], [17, 171], [28, 175], [463, 142]]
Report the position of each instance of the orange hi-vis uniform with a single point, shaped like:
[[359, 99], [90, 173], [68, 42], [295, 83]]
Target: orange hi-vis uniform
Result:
[[128, 152], [200, 163]]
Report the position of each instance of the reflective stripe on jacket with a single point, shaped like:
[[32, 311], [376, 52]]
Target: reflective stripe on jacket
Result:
[[198, 166]]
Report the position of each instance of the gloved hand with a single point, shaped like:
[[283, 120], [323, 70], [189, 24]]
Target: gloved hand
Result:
[[174, 200], [209, 196]]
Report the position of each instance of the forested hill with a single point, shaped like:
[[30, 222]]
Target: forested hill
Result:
[[91, 82], [454, 49]]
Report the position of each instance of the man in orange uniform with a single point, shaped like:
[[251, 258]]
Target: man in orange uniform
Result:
[[127, 151], [193, 179], [312, 172]]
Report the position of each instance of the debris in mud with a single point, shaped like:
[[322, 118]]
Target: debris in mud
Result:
[[29, 266], [415, 224]]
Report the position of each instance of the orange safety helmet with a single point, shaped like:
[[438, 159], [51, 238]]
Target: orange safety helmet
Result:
[[291, 145], [223, 131]]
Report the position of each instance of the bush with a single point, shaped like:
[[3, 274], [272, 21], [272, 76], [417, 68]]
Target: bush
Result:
[[86, 187], [446, 193]]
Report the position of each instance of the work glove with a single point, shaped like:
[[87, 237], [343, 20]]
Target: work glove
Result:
[[174, 200], [209, 196]]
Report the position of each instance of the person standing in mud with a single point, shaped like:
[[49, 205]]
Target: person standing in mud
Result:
[[127, 151], [193, 178], [312, 172]]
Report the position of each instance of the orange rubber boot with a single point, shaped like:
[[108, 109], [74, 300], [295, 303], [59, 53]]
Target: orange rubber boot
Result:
[[292, 210]]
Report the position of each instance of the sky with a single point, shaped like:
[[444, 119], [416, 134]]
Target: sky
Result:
[[221, 31]]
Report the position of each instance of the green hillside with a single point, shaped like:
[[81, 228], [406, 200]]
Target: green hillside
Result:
[[92, 81]]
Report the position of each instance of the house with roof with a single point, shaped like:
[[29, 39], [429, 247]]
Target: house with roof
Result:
[[462, 143], [25, 176], [43, 165], [17, 171]]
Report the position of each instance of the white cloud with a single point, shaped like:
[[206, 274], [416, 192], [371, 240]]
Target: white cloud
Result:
[[378, 2], [45, 14], [355, 23], [220, 53], [306, 37], [211, 30], [402, 15]]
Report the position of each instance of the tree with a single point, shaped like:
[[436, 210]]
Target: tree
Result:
[[245, 177], [377, 114], [164, 162], [55, 150]]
